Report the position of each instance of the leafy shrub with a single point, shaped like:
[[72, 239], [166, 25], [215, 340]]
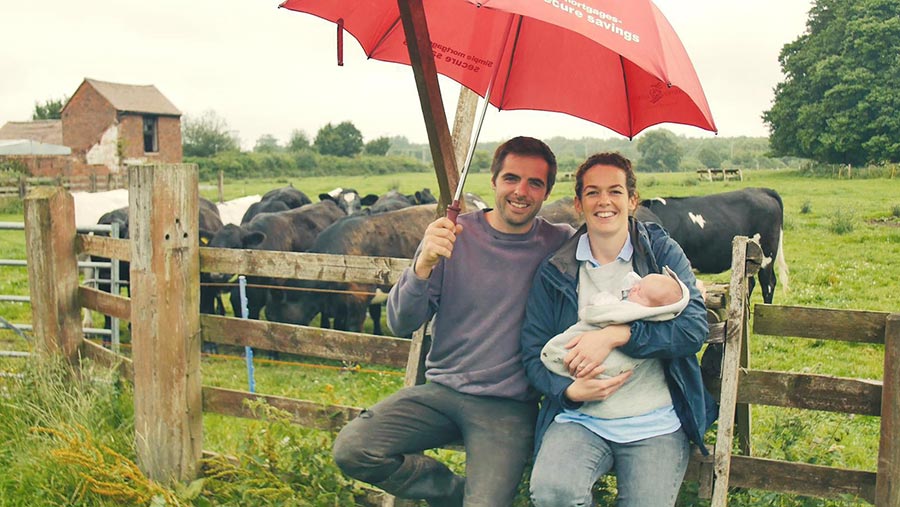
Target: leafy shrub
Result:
[[302, 163], [279, 463], [842, 221], [690, 181], [806, 207], [895, 211], [12, 206]]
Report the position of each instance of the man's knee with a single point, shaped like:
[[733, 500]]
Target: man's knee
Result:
[[355, 458]]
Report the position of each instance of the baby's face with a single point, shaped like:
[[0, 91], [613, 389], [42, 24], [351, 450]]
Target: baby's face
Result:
[[637, 295], [655, 290]]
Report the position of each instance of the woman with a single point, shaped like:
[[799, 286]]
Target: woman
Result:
[[655, 410]]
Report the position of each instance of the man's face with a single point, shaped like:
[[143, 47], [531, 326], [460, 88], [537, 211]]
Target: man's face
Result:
[[520, 188]]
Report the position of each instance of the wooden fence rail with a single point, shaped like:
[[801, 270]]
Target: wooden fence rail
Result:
[[161, 254], [94, 182]]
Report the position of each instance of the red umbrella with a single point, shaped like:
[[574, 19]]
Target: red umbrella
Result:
[[612, 62]]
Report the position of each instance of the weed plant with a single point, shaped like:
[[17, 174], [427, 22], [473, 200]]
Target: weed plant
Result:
[[842, 221]]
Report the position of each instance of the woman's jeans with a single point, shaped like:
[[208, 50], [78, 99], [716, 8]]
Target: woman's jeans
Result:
[[383, 445], [648, 472]]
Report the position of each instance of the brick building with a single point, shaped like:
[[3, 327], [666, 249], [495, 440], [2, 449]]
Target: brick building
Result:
[[107, 126], [115, 124]]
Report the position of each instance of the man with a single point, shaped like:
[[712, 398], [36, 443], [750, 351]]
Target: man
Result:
[[473, 278]]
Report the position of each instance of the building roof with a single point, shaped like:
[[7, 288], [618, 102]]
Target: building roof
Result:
[[134, 98], [44, 131], [29, 147]]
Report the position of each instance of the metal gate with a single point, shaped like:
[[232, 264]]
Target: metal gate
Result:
[[114, 280]]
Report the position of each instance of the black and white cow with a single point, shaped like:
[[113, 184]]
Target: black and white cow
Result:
[[704, 226], [348, 199], [390, 234], [474, 202]]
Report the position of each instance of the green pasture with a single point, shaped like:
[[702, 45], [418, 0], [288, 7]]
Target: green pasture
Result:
[[842, 244]]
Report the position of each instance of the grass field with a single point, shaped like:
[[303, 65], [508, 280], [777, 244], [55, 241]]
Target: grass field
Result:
[[842, 244]]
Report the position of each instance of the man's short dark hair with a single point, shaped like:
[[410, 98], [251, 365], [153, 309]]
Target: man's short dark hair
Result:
[[525, 147]]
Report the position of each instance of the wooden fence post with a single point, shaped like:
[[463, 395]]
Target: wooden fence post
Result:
[[53, 271], [736, 332], [221, 186], [887, 482], [165, 319]]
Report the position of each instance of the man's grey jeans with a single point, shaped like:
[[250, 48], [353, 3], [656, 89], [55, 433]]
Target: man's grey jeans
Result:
[[382, 446]]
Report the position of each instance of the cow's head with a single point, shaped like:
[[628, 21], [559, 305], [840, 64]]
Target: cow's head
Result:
[[424, 196], [347, 198], [234, 236]]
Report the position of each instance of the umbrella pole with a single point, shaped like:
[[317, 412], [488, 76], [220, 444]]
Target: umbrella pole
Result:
[[454, 208]]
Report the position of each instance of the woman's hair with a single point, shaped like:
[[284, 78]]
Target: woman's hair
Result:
[[607, 158]]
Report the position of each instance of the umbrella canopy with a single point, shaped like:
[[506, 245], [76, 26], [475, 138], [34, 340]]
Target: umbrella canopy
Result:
[[617, 64]]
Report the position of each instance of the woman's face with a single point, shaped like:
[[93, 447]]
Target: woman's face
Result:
[[605, 201]]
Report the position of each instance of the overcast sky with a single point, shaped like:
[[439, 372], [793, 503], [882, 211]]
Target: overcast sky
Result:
[[269, 71]]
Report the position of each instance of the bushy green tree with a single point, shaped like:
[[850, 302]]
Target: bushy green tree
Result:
[[838, 102], [659, 151], [207, 135], [378, 146], [299, 141], [711, 157], [267, 143], [50, 109], [343, 140]]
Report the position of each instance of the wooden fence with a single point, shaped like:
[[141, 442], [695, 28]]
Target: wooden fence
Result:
[[19, 185], [167, 331]]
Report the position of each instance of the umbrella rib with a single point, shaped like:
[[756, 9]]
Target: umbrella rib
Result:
[[384, 36], [512, 54], [627, 98]]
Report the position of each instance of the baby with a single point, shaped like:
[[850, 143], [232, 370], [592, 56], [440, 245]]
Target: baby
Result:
[[655, 297]]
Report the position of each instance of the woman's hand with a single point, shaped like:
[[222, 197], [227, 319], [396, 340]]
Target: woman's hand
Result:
[[587, 351], [593, 389]]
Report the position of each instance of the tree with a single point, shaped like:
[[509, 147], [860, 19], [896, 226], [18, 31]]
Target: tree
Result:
[[266, 144], [344, 140], [299, 141], [838, 102], [207, 135], [50, 109], [710, 157], [378, 146], [659, 151]]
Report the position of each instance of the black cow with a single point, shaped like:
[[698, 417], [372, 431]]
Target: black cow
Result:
[[288, 231], [704, 227], [390, 234], [209, 222], [562, 211], [394, 200], [423, 196], [279, 199], [391, 201]]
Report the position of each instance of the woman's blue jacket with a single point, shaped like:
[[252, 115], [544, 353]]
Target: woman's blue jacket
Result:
[[553, 307]]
